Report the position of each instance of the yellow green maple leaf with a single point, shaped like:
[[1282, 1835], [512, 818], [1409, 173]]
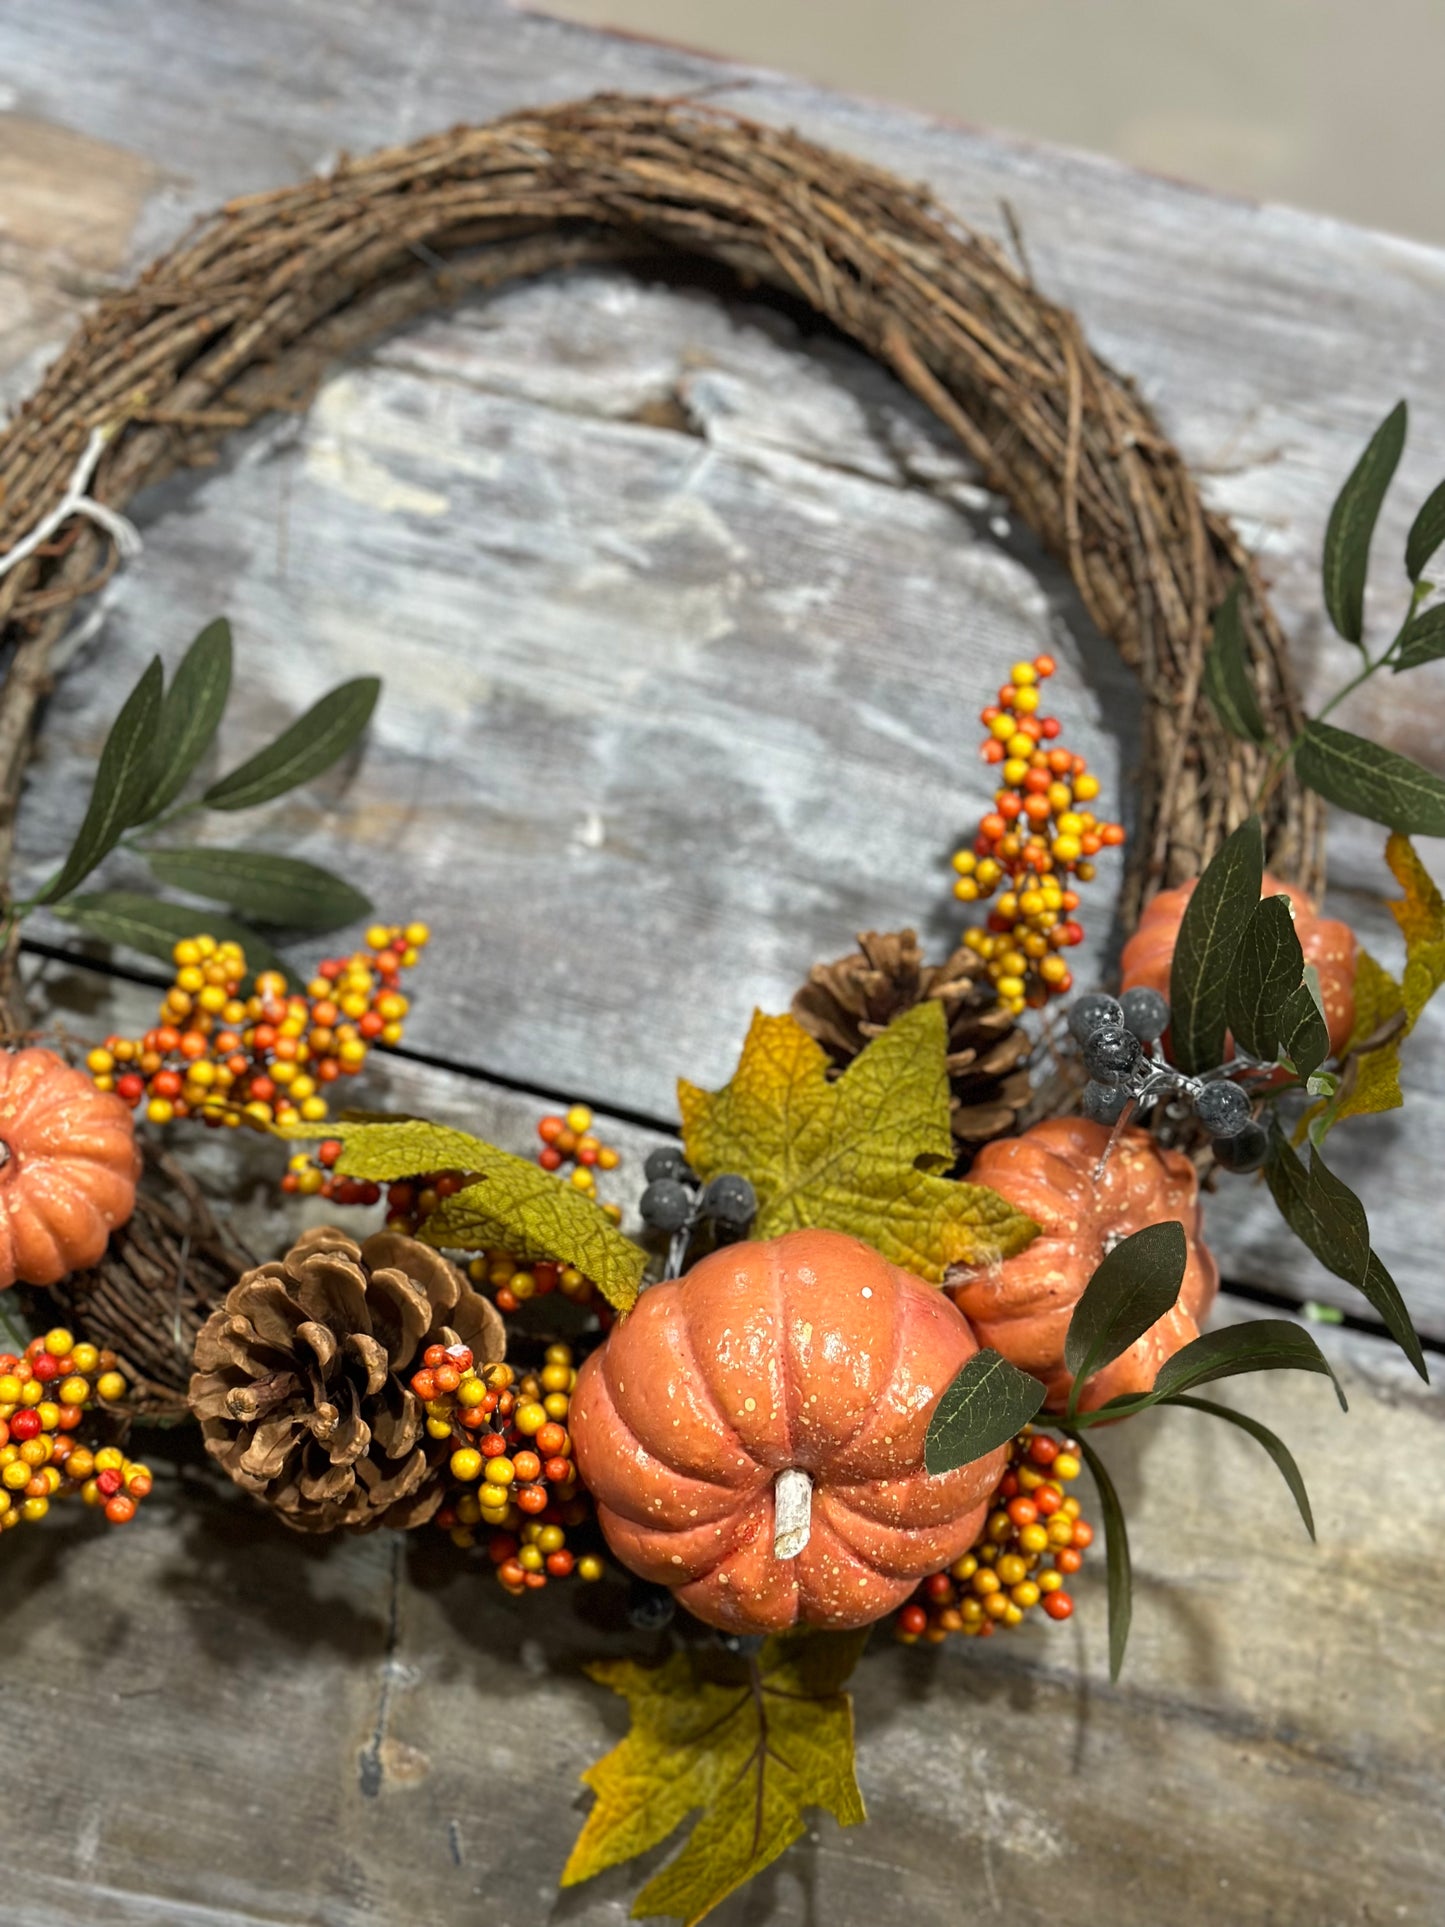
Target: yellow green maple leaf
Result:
[[512, 1203], [859, 1154], [752, 1743], [1385, 1010]]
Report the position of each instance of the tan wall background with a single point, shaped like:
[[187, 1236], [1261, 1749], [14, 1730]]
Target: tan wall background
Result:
[[1337, 105]]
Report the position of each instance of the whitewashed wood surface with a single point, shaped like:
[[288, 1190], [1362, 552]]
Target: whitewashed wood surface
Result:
[[686, 614]]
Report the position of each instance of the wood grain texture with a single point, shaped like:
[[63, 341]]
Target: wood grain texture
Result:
[[686, 615], [343, 1716]]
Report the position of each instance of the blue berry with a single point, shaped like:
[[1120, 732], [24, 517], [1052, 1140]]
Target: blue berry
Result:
[[1146, 1013], [1111, 1053], [1103, 1103], [666, 1205], [668, 1161], [649, 1607], [1223, 1109], [1090, 1012], [730, 1201], [1245, 1151]]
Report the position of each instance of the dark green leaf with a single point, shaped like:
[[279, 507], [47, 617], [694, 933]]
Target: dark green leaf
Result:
[[122, 782], [1352, 524], [15, 1332], [1116, 1553], [1373, 782], [1132, 1288], [1271, 1006], [1327, 1218], [1215, 918], [312, 744], [986, 1403], [282, 890], [155, 928], [190, 713], [1427, 532], [1261, 1345], [1276, 1448], [1423, 640], [1226, 675]]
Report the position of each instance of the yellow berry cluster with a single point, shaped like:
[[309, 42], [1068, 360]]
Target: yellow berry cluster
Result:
[[268, 1057], [512, 1463], [45, 1392], [1031, 1519], [1036, 836]]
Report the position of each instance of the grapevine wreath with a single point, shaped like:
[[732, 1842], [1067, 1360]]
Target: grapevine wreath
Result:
[[942, 1225]]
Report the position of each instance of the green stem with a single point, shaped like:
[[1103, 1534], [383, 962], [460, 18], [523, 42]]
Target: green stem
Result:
[[1284, 754]]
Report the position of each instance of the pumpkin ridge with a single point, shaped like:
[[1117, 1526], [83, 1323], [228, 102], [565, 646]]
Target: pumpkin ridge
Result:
[[896, 1277], [685, 1325]]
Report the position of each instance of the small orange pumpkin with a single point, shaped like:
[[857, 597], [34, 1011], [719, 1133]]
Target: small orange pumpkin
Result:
[[807, 1363], [68, 1168], [1022, 1307], [1327, 944]]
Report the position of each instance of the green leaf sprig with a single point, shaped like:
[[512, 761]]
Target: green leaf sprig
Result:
[[154, 748], [989, 1400], [1346, 769]]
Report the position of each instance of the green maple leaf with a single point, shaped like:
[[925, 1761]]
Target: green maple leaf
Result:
[[511, 1203], [753, 1744], [860, 1154]]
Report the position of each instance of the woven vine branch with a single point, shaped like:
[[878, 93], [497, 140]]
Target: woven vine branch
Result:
[[246, 315]]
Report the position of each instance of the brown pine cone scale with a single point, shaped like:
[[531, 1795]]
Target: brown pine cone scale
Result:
[[846, 1003], [300, 1382]]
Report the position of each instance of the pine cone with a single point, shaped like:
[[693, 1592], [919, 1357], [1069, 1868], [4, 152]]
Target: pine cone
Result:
[[846, 1003], [301, 1378]]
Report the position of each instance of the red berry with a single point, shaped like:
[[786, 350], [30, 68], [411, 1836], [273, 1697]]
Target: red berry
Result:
[[424, 1385], [1022, 1511], [494, 1446], [549, 1157], [1058, 1605], [25, 1424], [433, 1356], [560, 1563], [329, 1150], [557, 1471], [1083, 1533], [939, 1586], [130, 1087], [549, 1129], [912, 1620], [532, 1498], [1042, 1449], [44, 1367], [108, 1482]]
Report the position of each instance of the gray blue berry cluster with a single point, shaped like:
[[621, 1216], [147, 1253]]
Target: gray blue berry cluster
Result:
[[1118, 1039], [676, 1201]]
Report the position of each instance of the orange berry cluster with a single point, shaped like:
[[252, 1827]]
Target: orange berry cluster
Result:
[[45, 1392], [1035, 836], [570, 1141], [512, 1462], [266, 1058], [1031, 1519]]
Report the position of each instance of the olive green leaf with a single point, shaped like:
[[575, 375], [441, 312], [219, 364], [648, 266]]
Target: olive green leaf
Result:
[[858, 1155], [1329, 1220], [155, 927], [312, 744], [753, 1745], [1226, 674], [1214, 922], [1352, 524], [1423, 640], [510, 1202], [280, 890], [1116, 1559], [1261, 1434], [1427, 532], [1131, 1289], [191, 710], [1373, 782], [982, 1407], [122, 783], [1272, 1004]]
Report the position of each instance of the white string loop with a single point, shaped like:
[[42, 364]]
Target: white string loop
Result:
[[76, 501]]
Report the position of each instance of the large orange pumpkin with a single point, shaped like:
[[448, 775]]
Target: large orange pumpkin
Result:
[[68, 1168], [1022, 1307], [807, 1362], [1327, 944]]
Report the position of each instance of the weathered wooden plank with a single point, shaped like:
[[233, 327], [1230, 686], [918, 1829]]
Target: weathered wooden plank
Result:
[[553, 585], [357, 1723]]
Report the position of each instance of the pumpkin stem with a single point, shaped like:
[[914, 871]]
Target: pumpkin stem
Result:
[[792, 1512]]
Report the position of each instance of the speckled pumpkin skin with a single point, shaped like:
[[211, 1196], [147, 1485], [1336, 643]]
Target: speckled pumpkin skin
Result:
[[1022, 1308], [812, 1351], [70, 1172], [1327, 944]]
